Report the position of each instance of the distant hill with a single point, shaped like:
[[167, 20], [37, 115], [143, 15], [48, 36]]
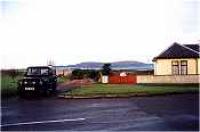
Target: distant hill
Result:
[[128, 64], [131, 65]]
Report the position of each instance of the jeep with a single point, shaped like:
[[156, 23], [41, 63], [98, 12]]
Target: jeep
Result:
[[38, 80]]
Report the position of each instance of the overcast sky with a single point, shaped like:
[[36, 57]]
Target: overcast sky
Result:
[[73, 31]]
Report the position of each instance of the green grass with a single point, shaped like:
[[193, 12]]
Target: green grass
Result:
[[9, 85], [62, 79], [117, 90]]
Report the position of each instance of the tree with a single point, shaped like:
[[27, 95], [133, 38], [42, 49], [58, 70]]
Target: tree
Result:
[[106, 69], [77, 74]]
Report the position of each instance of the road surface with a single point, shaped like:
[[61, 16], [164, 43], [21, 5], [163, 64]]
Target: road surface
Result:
[[172, 112]]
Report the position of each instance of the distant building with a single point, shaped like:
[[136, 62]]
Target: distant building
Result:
[[178, 59]]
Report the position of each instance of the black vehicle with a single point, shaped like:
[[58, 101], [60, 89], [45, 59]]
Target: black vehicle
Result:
[[38, 80]]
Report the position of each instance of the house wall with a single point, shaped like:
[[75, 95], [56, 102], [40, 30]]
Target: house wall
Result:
[[168, 79], [198, 65], [104, 79], [163, 66]]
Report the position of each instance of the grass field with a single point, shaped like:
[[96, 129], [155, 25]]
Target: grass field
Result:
[[9, 85], [121, 90]]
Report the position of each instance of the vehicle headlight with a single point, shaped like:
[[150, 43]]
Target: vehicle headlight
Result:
[[25, 82]]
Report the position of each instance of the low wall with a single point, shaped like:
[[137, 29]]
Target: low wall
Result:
[[168, 79]]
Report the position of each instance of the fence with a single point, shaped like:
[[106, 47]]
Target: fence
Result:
[[117, 79]]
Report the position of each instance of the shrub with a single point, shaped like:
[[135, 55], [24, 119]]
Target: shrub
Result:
[[81, 74]]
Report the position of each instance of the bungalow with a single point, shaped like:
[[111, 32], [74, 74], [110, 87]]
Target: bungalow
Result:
[[178, 64], [178, 60]]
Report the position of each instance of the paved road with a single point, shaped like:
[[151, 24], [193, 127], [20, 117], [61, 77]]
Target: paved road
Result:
[[173, 112]]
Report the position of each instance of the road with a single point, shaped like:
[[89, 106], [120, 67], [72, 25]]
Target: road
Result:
[[172, 112]]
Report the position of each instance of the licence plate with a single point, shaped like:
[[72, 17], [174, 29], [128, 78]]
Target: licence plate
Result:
[[30, 88]]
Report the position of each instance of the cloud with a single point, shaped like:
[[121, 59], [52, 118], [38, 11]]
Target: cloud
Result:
[[190, 16], [106, 30]]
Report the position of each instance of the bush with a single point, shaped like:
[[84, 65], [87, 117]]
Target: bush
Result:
[[12, 73], [9, 80], [81, 74], [9, 85]]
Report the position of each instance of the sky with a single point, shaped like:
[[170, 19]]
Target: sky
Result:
[[33, 32]]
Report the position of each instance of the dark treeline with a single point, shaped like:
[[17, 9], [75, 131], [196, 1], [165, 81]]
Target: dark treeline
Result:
[[92, 74], [81, 74], [12, 72]]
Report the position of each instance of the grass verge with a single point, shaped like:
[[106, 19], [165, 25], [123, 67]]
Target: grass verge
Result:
[[9, 85], [109, 90]]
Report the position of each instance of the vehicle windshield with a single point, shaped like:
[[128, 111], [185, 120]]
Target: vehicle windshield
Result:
[[37, 71]]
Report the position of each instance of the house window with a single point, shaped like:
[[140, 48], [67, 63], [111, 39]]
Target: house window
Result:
[[175, 68], [183, 68], [179, 67]]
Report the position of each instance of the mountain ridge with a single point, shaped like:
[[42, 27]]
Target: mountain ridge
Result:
[[114, 65]]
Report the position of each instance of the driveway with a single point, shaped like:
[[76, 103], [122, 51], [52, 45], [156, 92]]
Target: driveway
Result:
[[172, 112], [68, 85]]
